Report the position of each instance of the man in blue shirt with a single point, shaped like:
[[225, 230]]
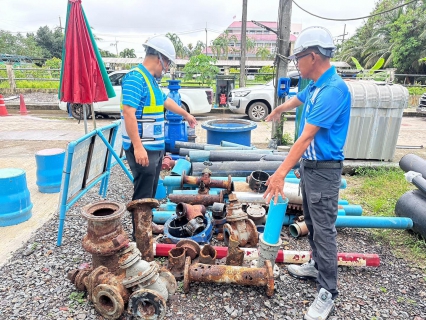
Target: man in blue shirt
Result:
[[323, 129], [142, 116]]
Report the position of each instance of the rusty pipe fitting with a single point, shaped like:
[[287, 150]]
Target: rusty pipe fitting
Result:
[[176, 263], [105, 235], [168, 163], [205, 182], [218, 210], [190, 211], [257, 180], [298, 228], [239, 225], [146, 304], [142, 214], [208, 254], [235, 256], [204, 199], [199, 272], [256, 213], [192, 248], [104, 289]]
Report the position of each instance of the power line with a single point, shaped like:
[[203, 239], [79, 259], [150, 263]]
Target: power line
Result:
[[350, 19]]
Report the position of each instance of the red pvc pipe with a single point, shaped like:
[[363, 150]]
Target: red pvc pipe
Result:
[[287, 256]]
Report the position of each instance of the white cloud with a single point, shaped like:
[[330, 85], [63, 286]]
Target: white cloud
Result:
[[131, 22]]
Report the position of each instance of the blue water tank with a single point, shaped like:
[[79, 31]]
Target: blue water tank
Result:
[[232, 130], [50, 164], [15, 202]]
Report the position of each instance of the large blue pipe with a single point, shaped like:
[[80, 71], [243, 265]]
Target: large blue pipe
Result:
[[343, 202], [352, 209], [224, 143], [275, 219], [161, 217], [181, 165], [374, 222]]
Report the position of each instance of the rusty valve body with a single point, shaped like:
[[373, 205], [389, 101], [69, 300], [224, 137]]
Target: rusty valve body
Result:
[[200, 272], [190, 211], [105, 235], [142, 214], [208, 254], [239, 225]]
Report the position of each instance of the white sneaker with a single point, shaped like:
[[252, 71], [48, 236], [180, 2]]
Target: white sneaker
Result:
[[322, 306], [304, 271]]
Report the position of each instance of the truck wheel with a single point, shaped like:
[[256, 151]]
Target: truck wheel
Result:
[[258, 111], [77, 111]]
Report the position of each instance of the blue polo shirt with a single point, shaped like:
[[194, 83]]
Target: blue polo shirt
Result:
[[327, 105]]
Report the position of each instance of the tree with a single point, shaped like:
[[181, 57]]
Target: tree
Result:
[[177, 43], [51, 41], [19, 45], [201, 66], [106, 53], [220, 45], [190, 51], [128, 53], [263, 53]]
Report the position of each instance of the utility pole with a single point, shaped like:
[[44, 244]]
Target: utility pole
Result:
[[116, 46], [243, 45], [60, 24], [283, 46], [206, 38], [344, 33]]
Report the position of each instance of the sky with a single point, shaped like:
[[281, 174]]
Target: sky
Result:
[[129, 23]]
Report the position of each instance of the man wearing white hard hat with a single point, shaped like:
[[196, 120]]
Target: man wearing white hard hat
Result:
[[142, 116], [322, 134]]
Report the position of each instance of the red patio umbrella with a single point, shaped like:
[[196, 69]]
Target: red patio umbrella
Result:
[[83, 75]]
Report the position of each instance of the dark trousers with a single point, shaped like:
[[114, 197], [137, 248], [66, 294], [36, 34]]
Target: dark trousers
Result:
[[320, 192], [145, 179]]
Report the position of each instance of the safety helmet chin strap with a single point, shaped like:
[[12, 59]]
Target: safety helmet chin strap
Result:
[[162, 64]]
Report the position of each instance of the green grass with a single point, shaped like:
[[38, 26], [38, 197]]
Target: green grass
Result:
[[377, 191]]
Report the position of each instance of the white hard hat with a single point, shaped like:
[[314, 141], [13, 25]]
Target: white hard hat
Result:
[[318, 37], [163, 45]]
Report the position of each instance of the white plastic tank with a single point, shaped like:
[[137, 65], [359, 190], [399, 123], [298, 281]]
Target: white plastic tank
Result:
[[376, 113]]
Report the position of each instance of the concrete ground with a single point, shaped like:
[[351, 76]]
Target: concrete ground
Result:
[[22, 136]]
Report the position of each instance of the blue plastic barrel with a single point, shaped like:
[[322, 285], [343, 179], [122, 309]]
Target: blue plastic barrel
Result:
[[232, 130], [15, 202], [50, 163]]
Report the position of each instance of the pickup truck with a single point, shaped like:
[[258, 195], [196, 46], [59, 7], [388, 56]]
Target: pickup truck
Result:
[[194, 100], [257, 101]]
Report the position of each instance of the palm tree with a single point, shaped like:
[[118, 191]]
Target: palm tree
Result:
[[220, 45], [128, 53], [177, 43], [263, 53]]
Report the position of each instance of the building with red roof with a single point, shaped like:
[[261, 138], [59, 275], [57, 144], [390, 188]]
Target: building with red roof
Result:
[[262, 37]]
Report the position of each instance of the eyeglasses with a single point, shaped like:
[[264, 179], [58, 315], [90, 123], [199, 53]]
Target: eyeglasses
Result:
[[296, 59]]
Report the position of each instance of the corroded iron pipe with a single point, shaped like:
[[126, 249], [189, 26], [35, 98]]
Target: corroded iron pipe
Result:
[[168, 163], [176, 263], [200, 272], [204, 199], [105, 234], [206, 181], [208, 255], [353, 259], [190, 211], [142, 213], [235, 256]]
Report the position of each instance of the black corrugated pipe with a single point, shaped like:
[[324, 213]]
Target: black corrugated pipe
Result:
[[412, 205], [412, 162], [236, 168]]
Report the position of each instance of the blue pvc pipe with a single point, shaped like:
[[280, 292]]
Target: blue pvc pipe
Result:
[[341, 212], [161, 217], [343, 202], [181, 165], [275, 219], [199, 155], [374, 222], [175, 156], [168, 206], [352, 209], [293, 179], [224, 143]]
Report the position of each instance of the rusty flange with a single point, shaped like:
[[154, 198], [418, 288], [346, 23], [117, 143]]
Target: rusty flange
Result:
[[108, 301], [146, 304], [192, 247]]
